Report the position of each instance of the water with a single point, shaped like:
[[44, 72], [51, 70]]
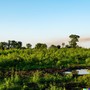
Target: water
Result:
[[80, 71], [83, 71]]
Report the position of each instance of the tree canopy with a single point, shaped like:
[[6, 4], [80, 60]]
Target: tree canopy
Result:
[[74, 40]]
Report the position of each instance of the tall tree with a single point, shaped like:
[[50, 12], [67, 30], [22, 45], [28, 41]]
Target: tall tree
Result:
[[19, 44], [74, 40], [13, 44], [28, 45], [9, 45]]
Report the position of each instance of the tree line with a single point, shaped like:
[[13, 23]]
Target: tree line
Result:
[[18, 44]]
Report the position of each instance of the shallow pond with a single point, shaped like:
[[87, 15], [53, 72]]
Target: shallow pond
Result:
[[80, 71]]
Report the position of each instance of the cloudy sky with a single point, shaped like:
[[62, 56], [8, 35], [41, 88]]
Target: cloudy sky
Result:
[[45, 21]]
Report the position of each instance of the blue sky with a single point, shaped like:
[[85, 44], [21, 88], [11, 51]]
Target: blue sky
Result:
[[44, 20]]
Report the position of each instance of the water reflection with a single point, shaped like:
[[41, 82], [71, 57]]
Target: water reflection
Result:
[[83, 71], [80, 71]]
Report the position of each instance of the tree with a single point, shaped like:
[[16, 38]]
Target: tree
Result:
[[58, 46], [74, 40], [63, 45], [28, 45], [14, 44], [9, 45], [67, 46], [3, 45], [40, 46], [19, 44], [53, 46]]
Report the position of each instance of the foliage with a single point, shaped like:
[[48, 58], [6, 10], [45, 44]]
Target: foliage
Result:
[[42, 68], [74, 39]]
